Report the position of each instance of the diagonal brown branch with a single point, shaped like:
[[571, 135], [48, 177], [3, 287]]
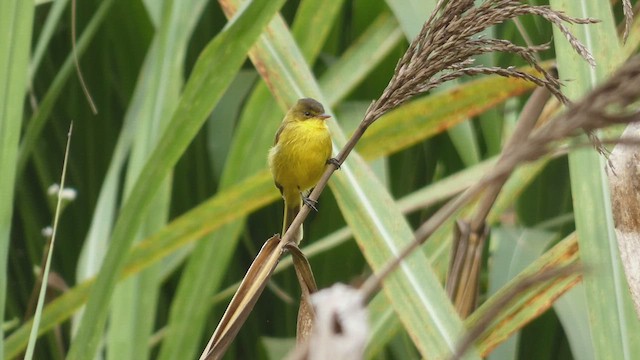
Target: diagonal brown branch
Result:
[[442, 51], [444, 48], [609, 104]]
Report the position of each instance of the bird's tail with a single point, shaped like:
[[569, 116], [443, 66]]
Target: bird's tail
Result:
[[291, 210]]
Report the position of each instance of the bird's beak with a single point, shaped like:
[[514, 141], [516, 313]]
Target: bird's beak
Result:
[[324, 116]]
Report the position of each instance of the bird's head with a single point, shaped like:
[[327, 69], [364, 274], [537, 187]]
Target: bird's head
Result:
[[308, 108]]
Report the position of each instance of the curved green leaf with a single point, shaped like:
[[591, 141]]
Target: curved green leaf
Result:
[[399, 129], [16, 22], [528, 304], [39, 118], [188, 313], [379, 227], [613, 322], [215, 69], [251, 194]]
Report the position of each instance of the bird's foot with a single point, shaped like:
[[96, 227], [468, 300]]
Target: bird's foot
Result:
[[334, 162], [310, 203]]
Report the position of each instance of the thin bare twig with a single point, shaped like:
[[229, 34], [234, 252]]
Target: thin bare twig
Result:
[[608, 104], [45, 272], [443, 51], [526, 283], [85, 89], [528, 118], [470, 236], [525, 35]]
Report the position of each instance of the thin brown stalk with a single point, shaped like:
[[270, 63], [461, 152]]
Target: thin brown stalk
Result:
[[525, 35], [462, 283], [526, 283], [528, 119], [606, 105], [83, 85], [443, 51]]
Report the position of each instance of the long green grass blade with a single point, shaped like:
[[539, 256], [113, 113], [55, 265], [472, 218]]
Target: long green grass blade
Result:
[[255, 192], [134, 301], [39, 118], [188, 313], [529, 304], [514, 250], [53, 18], [464, 139], [614, 326], [242, 162], [16, 22], [438, 246], [414, 289], [357, 62], [573, 313], [384, 325], [227, 206], [433, 323], [397, 129], [47, 266], [216, 67], [312, 24], [220, 133], [240, 200], [57, 311], [222, 195], [412, 15]]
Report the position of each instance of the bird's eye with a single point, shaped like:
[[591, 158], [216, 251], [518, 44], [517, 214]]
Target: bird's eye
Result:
[[306, 113]]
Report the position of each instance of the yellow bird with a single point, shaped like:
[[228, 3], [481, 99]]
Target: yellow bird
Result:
[[301, 150]]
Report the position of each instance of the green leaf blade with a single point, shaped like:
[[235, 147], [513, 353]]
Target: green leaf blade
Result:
[[215, 69], [614, 326], [16, 22]]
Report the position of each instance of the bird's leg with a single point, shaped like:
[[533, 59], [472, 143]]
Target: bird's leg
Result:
[[309, 202], [335, 162]]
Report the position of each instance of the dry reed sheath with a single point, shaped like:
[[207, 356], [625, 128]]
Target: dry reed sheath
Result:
[[443, 51]]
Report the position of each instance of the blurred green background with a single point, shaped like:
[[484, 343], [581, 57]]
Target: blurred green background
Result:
[[184, 115]]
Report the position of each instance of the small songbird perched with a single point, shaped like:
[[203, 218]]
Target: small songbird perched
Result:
[[298, 157]]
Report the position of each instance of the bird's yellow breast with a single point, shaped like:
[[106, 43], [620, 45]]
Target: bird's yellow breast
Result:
[[298, 159]]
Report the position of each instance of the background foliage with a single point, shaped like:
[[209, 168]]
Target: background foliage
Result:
[[174, 166]]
